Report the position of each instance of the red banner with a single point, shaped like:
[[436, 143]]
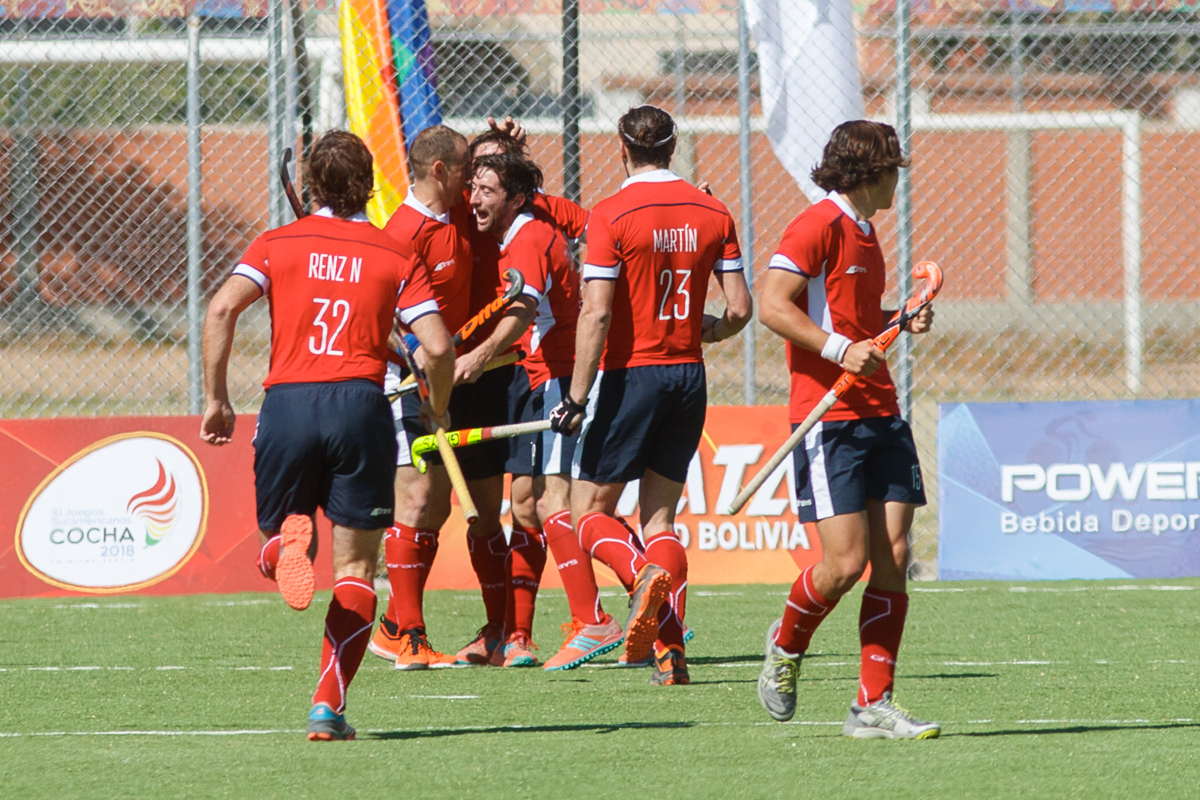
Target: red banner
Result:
[[140, 505]]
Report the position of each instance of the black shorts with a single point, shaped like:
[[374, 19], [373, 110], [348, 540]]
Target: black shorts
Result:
[[547, 452], [479, 405], [843, 464], [641, 418], [327, 445]]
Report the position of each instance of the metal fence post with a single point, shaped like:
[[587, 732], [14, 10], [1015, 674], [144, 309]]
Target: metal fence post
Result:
[[749, 378], [572, 101], [904, 235], [195, 233], [276, 107]]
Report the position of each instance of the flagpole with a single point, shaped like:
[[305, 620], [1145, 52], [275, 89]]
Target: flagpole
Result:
[[750, 381], [903, 374]]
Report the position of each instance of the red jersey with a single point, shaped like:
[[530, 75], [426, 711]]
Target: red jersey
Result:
[[442, 243], [333, 285], [487, 279], [846, 274], [659, 238], [537, 250]]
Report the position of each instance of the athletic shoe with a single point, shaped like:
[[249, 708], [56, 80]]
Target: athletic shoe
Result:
[[883, 719], [651, 588], [518, 651], [670, 667], [294, 573], [326, 725], [777, 681], [480, 649], [648, 661], [385, 642], [415, 652], [583, 642]]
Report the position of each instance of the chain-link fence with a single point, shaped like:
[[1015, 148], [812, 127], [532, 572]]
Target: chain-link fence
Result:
[[1054, 159]]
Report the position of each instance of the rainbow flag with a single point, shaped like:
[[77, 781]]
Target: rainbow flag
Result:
[[413, 53], [371, 102]]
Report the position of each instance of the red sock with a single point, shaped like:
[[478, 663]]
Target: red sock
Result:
[[667, 552], [574, 568], [806, 607], [409, 554], [347, 631], [880, 626], [613, 544], [489, 557], [268, 557], [526, 561]]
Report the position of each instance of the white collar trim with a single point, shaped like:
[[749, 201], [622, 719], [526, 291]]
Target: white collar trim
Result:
[[841, 202], [411, 201], [516, 226], [654, 176], [326, 211]]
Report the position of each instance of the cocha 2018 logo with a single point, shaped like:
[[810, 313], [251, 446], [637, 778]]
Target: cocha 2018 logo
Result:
[[121, 514]]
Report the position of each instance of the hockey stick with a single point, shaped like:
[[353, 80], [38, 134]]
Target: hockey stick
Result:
[[516, 285], [426, 444], [409, 384], [285, 177], [457, 481], [928, 271]]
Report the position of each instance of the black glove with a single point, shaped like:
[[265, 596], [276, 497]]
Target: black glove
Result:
[[563, 417]]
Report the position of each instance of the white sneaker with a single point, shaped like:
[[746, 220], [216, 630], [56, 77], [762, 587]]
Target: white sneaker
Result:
[[883, 719], [777, 681]]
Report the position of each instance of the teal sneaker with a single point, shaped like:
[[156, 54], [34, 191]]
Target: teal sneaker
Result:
[[326, 725]]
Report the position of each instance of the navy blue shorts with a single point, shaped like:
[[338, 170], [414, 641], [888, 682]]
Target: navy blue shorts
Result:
[[547, 452], [642, 418], [843, 464], [327, 445], [479, 405]]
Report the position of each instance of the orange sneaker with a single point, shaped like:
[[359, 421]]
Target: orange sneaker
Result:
[[294, 573], [479, 650], [385, 642], [518, 651], [415, 652], [670, 667], [651, 588], [583, 642]]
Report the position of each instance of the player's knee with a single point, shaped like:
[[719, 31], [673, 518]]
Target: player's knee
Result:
[[846, 569]]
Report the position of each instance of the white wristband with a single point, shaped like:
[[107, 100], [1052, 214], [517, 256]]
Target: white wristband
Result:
[[835, 348]]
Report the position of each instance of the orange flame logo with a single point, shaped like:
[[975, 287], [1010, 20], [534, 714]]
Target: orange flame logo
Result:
[[156, 507]]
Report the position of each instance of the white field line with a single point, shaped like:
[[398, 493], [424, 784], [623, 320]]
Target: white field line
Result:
[[515, 728], [444, 696]]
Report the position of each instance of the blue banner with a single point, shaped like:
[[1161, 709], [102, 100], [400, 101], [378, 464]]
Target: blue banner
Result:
[[412, 49], [1030, 491]]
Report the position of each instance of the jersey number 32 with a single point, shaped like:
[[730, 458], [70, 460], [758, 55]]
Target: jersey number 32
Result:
[[339, 312]]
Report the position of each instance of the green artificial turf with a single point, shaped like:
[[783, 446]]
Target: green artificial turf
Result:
[[1044, 690]]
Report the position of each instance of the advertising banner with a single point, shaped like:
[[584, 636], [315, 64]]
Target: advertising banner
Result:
[[139, 504], [1069, 490]]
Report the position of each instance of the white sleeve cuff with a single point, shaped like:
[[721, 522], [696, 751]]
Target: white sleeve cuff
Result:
[[728, 265], [593, 272], [409, 315], [247, 271], [780, 261], [835, 348], [532, 292]]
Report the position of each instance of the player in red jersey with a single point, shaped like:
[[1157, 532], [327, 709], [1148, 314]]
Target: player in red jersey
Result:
[[324, 436], [857, 475], [431, 226], [651, 250]]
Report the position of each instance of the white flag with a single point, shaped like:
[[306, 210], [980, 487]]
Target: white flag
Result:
[[808, 67]]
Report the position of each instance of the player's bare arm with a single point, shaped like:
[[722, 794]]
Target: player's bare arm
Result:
[[219, 323], [590, 334], [438, 355], [779, 312], [739, 308], [517, 317]]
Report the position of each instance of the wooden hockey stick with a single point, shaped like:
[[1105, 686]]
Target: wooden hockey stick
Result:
[[928, 271]]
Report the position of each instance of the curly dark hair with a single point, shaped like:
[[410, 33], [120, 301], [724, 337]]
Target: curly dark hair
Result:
[[517, 175], [649, 136], [498, 137], [859, 153], [341, 172]]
